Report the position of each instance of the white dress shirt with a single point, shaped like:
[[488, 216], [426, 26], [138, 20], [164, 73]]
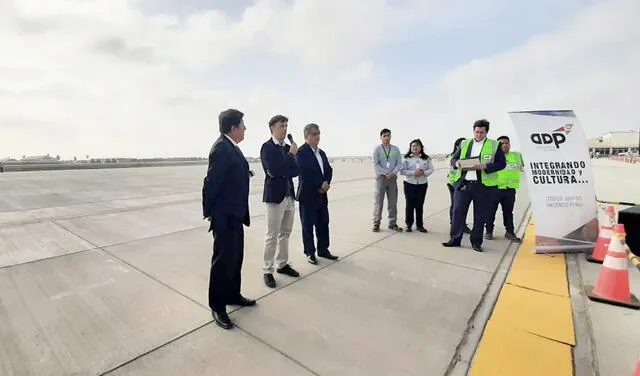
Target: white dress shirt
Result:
[[476, 148], [411, 165], [316, 151], [231, 139]]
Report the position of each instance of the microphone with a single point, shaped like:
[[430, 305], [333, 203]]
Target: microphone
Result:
[[290, 138]]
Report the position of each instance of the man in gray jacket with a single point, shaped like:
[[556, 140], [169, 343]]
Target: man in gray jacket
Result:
[[387, 162]]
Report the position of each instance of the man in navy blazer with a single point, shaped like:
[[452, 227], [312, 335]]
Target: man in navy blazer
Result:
[[225, 203], [279, 164], [314, 179], [478, 184]]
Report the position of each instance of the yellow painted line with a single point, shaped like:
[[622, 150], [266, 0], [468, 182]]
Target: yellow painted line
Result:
[[536, 312], [530, 331], [528, 267], [506, 351]]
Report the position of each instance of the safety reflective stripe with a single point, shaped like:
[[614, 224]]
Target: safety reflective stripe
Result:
[[615, 263], [510, 176], [605, 232], [486, 156]]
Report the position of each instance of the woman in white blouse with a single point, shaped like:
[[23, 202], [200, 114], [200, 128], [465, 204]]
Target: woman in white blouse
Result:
[[416, 168]]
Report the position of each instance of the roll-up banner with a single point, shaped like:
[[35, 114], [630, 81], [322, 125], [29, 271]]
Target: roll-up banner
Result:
[[560, 178]]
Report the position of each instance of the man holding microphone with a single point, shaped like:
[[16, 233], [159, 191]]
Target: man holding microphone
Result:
[[280, 167]]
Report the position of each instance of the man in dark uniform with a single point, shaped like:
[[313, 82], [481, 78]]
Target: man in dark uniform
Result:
[[477, 184], [225, 202]]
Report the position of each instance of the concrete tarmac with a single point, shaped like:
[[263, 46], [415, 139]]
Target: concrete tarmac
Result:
[[106, 272]]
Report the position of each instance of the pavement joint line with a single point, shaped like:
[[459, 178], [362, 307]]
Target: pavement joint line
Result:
[[231, 311], [584, 355], [110, 210], [210, 321], [425, 258], [147, 352], [277, 350], [134, 267], [494, 287]]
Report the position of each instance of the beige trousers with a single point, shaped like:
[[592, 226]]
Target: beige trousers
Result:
[[279, 225]]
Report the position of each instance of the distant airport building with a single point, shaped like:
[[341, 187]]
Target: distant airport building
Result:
[[615, 143]]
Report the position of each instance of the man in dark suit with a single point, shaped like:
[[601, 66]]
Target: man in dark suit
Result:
[[225, 202], [279, 164], [477, 183], [314, 179]]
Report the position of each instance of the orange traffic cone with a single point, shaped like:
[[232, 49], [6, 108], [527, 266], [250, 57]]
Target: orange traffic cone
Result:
[[612, 285], [604, 236]]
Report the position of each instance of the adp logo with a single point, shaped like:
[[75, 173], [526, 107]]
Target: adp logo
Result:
[[556, 138]]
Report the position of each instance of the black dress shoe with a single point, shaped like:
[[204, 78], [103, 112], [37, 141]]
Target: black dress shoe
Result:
[[477, 248], [451, 243], [408, 229], [396, 228], [328, 255], [288, 270], [222, 319], [269, 281], [312, 259], [244, 302], [422, 230]]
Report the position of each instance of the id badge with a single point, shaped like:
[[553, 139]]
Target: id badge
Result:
[[388, 164]]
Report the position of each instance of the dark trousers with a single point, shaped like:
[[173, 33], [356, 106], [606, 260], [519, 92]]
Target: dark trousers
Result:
[[315, 217], [226, 263], [483, 198], [414, 195], [507, 199]]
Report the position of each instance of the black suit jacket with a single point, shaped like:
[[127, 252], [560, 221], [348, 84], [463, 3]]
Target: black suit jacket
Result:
[[279, 168], [225, 192], [499, 163], [310, 176]]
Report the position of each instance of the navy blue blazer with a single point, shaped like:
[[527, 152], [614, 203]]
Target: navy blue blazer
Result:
[[279, 168], [499, 163], [310, 177], [225, 191]]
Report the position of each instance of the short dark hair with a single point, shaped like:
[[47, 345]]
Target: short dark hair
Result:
[[482, 123], [276, 119], [228, 119], [504, 138], [384, 130]]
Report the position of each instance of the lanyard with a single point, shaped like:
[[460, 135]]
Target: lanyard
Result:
[[386, 154]]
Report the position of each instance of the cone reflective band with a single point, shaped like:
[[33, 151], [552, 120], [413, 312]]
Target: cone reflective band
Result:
[[612, 285], [604, 236], [614, 272]]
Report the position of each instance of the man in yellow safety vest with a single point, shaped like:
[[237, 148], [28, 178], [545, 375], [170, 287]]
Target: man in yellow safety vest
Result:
[[509, 179], [476, 164]]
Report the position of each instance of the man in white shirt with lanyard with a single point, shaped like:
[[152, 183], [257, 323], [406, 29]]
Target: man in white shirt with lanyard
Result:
[[387, 163]]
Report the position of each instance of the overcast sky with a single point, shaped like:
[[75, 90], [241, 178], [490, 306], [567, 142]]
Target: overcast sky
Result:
[[141, 78]]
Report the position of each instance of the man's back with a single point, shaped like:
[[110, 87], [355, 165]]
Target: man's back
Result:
[[226, 187]]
